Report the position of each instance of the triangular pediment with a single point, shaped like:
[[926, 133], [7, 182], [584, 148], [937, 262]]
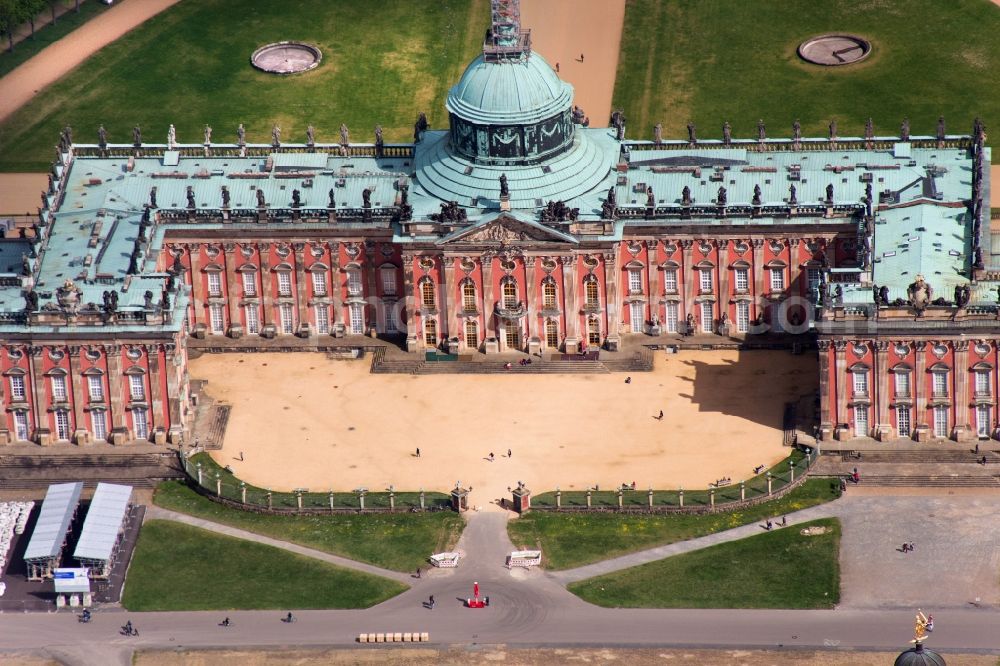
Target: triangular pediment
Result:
[[506, 230]]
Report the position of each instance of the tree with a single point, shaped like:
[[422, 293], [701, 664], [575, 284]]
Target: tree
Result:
[[29, 10], [10, 19]]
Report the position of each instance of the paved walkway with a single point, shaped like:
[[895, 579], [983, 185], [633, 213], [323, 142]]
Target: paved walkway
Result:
[[19, 86], [155, 512], [828, 510]]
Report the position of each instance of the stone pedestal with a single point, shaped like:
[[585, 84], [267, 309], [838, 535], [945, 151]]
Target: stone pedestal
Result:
[[338, 330], [922, 432], [613, 343], [492, 346], [534, 346], [521, 498], [160, 437], [459, 499], [962, 434], [119, 437], [655, 330], [411, 345], [305, 330], [198, 331], [268, 331], [5, 438], [883, 433], [44, 437], [82, 438], [842, 432], [453, 346], [572, 345], [176, 435], [235, 331]]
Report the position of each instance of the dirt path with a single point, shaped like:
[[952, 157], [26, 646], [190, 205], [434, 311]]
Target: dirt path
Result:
[[18, 87], [20, 193], [563, 29]]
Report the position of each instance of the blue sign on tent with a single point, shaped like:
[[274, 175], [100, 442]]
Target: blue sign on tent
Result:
[[64, 574]]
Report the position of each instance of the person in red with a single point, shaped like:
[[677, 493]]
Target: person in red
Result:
[[475, 590]]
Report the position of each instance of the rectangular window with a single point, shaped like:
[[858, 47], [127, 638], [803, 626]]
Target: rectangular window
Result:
[[635, 315], [253, 319], [357, 319], [21, 425], [941, 421], [743, 317], [742, 279], [812, 279], [706, 318], [903, 421], [322, 319], [860, 421], [62, 424], [777, 279], [354, 282], [99, 422], [940, 384], [284, 283], [319, 283], [249, 284], [217, 319], [391, 321], [982, 383], [140, 423], [17, 387], [287, 325], [983, 421], [902, 385], [58, 388], [705, 280], [860, 383], [136, 387], [635, 281], [671, 317], [670, 281], [214, 284], [95, 383], [389, 281]]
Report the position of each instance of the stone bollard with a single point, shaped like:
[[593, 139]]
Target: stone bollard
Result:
[[769, 483], [650, 498], [218, 485], [711, 497], [331, 500], [421, 499], [361, 501], [743, 491], [791, 471], [558, 498], [619, 498], [298, 499], [198, 466], [392, 501], [680, 497], [588, 499], [270, 503], [243, 492]]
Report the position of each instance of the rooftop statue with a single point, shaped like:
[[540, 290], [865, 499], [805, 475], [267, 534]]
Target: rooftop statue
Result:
[[275, 136], [833, 130], [797, 131], [658, 134], [721, 196], [345, 135], [829, 193], [727, 133], [296, 199], [366, 197], [686, 196], [260, 199], [102, 137], [310, 135], [919, 294], [504, 188], [940, 128], [171, 137], [208, 134], [869, 129], [241, 135], [791, 195], [190, 197], [332, 203], [904, 130], [225, 197], [692, 138], [761, 130], [756, 195], [136, 136]]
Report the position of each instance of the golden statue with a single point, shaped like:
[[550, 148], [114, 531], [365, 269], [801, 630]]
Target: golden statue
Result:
[[920, 628]]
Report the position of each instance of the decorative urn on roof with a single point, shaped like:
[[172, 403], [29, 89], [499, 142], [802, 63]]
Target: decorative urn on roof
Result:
[[68, 296]]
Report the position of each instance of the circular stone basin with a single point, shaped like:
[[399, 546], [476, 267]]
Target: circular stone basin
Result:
[[834, 49], [286, 57]]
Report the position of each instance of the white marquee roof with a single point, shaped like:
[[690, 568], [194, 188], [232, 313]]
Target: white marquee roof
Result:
[[103, 522], [58, 508]]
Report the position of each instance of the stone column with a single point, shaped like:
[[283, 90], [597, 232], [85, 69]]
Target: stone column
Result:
[[449, 301], [883, 424], [176, 392], [302, 288], [82, 432], [758, 288], [155, 390], [197, 302], [722, 266], [266, 293], [571, 304], [961, 432], [840, 378], [920, 429], [233, 292], [613, 298], [370, 269], [825, 417], [116, 402], [488, 324], [39, 400], [530, 264], [653, 292], [794, 268], [411, 317], [688, 277], [336, 293]]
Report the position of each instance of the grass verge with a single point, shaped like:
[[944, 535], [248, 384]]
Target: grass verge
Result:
[[570, 540], [223, 573], [397, 541], [48, 34], [781, 569]]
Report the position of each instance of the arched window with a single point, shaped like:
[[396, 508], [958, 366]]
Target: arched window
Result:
[[551, 334], [430, 332], [591, 291], [593, 331], [510, 293], [427, 293], [549, 294], [469, 296], [471, 335]]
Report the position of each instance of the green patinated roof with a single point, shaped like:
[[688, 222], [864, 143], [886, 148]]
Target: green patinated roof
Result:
[[509, 92]]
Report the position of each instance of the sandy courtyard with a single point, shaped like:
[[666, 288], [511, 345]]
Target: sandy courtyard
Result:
[[302, 420]]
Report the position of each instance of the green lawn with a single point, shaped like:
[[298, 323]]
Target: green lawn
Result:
[[178, 567], [382, 63], [399, 541], [570, 540], [781, 569], [48, 34], [708, 61]]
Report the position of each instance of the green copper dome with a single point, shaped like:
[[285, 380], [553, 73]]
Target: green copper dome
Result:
[[520, 91]]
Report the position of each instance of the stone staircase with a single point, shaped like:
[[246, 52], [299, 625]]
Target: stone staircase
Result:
[[38, 471], [930, 481], [914, 456], [639, 361]]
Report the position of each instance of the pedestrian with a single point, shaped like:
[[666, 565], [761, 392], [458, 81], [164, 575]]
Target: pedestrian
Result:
[[628, 380], [581, 57], [911, 546], [491, 456], [241, 456], [906, 547], [977, 448], [557, 67], [508, 453], [660, 417], [784, 520], [418, 451], [418, 572], [769, 525], [983, 461], [930, 623], [430, 602]]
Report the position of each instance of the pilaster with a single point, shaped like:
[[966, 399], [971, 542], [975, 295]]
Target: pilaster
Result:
[[197, 288], [81, 434], [411, 316], [841, 428], [530, 264], [921, 430], [883, 424], [266, 286], [758, 292], [155, 389], [116, 405], [301, 289], [369, 270], [451, 327], [175, 393], [687, 277], [43, 432], [722, 265], [571, 304], [233, 292], [825, 413], [488, 316], [653, 292], [614, 298], [961, 432]]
